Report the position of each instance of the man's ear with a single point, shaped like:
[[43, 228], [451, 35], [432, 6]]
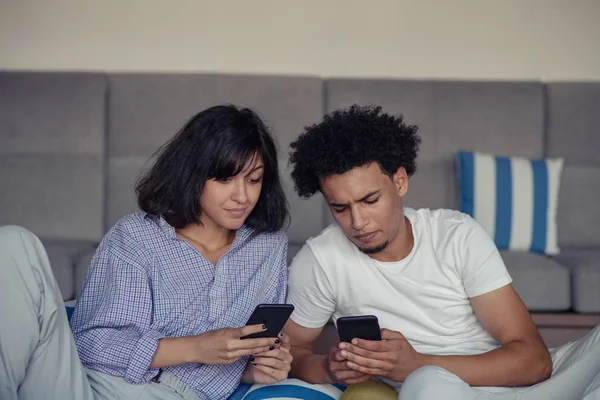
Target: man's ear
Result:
[[400, 179]]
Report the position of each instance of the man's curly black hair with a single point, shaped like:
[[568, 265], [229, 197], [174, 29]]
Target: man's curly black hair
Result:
[[351, 138]]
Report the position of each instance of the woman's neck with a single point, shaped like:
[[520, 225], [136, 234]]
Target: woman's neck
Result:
[[210, 238]]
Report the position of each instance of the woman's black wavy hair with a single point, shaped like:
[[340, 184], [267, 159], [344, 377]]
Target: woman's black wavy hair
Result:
[[350, 138], [215, 143]]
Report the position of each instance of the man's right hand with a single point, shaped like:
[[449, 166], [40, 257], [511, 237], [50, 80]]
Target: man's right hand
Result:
[[225, 346], [339, 372]]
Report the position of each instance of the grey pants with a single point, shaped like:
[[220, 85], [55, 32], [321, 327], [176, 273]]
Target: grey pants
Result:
[[38, 357]]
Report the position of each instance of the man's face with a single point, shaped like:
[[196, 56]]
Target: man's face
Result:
[[367, 204]]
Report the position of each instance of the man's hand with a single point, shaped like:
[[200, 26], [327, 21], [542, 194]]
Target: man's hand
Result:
[[338, 370], [270, 366], [393, 357], [224, 346]]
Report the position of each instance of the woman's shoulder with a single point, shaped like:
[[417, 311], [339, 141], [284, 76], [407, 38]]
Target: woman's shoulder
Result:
[[264, 240], [136, 226], [129, 235], [275, 237]]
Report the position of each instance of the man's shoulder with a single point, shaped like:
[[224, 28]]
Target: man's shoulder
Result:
[[323, 249], [330, 237], [443, 218], [450, 231]]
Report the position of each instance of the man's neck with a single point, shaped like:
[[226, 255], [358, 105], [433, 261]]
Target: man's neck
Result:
[[399, 247]]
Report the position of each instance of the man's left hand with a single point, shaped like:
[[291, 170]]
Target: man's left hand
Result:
[[393, 357]]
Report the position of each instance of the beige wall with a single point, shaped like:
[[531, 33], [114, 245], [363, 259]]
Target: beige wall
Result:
[[468, 39]]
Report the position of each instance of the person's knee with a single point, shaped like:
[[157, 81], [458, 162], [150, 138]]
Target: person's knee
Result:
[[369, 390], [428, 383]]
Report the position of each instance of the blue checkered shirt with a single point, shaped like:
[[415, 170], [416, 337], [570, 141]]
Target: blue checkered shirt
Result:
[[144, 284]]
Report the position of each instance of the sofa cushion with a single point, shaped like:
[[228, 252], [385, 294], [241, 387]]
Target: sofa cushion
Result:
[[572, 133], [52, 128], [542, 283], [54, 196], [585, 275], [63, 256], [573, 121], [578, 216], [502, 117], [513, 198]]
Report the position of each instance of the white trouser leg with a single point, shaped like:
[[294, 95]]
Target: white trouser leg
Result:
[[38, 357], [576, 371]]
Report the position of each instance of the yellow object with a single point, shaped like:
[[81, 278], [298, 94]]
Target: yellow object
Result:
[[369, 390]]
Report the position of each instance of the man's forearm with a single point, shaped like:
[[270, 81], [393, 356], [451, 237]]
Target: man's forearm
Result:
[[517, 363], [309, 367]]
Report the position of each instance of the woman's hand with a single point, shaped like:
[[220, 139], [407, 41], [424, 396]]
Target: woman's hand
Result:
[[270, 366], [225, 346]]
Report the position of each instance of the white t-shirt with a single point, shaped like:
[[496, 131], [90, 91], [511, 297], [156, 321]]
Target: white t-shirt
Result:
[[425, 296]]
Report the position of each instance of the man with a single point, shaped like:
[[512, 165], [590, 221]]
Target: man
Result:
[[453, 326]]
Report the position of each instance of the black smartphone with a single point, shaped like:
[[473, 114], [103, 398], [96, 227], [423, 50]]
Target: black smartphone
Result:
[[273, 315], [361, 327]]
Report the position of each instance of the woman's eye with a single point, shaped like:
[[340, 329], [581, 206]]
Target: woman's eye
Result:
[[257, 180]]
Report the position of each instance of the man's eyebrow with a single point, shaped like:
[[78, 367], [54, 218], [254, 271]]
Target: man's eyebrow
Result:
[[359, 200]]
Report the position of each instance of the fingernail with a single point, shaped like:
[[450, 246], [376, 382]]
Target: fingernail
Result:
[[264, 326], [277, 341], [272, 348], [344, 353], [354, 341]]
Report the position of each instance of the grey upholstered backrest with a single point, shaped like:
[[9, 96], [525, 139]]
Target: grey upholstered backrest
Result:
[[52, 131], [574, 133]]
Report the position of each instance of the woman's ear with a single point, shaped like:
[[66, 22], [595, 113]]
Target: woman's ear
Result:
[[400, 179]]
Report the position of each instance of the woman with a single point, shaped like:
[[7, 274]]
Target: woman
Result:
[[163, 305]]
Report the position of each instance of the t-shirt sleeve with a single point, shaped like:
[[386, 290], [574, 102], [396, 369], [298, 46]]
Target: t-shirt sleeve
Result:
[[483, 268], [309, 290]]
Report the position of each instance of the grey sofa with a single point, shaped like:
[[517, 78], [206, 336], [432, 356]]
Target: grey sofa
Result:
[[72, 145]]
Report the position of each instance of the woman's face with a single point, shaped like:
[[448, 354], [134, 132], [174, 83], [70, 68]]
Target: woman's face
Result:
[[227, 204]]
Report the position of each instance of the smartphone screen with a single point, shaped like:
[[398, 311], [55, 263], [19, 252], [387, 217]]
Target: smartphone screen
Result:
[[274, 316], [361, 327]]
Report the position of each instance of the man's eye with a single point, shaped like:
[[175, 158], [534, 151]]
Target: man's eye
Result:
[[339, 210], [372, 201]]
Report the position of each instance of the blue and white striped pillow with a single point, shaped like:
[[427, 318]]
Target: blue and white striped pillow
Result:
[[291, 389], [514, 198]]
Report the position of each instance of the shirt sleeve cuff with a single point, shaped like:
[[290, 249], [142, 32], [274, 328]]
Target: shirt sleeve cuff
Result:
[[308, 322], [489, 286], [138, 369]]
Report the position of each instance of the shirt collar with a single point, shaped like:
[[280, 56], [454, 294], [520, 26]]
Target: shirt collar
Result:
[[241, 234]]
